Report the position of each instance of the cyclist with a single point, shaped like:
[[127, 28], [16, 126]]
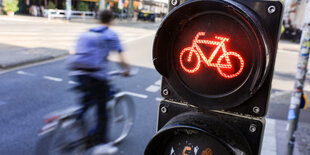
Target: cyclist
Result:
[[89, 66]]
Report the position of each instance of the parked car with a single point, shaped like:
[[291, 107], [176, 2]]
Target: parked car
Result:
[[146, 16]]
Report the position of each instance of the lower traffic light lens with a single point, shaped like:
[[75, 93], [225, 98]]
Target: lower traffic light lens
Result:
[[198, 133], [187, 141]]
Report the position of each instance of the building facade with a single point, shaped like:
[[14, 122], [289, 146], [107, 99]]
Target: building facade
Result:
[[26, 6]]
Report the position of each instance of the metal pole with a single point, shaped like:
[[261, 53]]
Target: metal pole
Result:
[[68, 9], [122, 14], [294, 109], [121, 7], [130, 9], [102, 5]]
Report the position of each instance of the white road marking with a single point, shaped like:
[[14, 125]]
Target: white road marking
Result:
[[72, 82], [25, 73], [137, 38], [2, 103], [132, 94], [152, 88], [53, 78], [158, 82], [158, 99]]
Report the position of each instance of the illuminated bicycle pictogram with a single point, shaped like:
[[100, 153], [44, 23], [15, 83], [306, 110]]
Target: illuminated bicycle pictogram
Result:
[[219, 64]]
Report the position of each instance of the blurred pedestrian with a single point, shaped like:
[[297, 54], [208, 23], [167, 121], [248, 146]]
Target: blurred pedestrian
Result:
[[1, 12]]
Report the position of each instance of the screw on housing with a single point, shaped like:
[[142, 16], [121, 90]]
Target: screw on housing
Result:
[[256, 110], [163, 109], [174, 2], [252, 128], [271, 9], [165, 92]]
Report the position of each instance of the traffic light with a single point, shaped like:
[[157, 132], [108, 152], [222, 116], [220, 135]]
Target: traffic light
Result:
[[216, 58]]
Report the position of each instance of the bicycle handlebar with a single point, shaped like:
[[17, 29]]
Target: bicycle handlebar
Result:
[[132, 72]]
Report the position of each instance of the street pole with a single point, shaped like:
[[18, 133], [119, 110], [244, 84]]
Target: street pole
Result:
[[294, 109], [102, 5], [68, 9], [121, 7], [130, 10]]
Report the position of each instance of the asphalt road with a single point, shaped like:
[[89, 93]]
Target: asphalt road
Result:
[[27, 94], [30, 93]]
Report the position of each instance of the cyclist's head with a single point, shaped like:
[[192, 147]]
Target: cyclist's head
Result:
[[105, 16]]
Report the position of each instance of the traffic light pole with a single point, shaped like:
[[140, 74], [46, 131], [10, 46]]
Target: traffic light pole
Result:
[[68, 9], [102, 5], [294, 109], [130, 10]]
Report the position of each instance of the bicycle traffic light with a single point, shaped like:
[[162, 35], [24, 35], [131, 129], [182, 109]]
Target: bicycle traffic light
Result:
[[218, 54], [216, 58]]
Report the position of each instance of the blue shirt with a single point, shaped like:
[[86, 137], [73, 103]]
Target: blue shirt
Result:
[[91, 52]]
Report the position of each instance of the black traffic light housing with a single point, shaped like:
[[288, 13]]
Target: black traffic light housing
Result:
[[250, 94], [216, 58], [242, 134]]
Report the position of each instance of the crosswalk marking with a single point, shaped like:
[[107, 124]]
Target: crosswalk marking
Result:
[[56, 79], [2, 103], [158, 82], [53, 78], [158, 99], [25, 73], [152, 88], [72, 82], [132, 94], [39, 34]]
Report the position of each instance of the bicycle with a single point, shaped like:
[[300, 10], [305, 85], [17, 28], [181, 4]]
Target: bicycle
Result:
[[219, 64], [66, 132]]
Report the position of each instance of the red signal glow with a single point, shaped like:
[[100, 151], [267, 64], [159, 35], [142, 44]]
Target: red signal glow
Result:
[[190, 54]]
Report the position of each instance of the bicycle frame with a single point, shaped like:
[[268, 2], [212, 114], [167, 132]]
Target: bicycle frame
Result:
[[197, 51]]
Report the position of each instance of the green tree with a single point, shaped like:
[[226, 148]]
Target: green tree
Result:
[[83, 6], [64, 6], [10, 5], [51, 5]]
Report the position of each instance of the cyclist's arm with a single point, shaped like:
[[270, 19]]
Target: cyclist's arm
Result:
[[117, 46], [124, 64], [114, 44]]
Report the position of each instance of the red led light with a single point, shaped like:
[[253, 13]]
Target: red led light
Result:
[[220, 45]]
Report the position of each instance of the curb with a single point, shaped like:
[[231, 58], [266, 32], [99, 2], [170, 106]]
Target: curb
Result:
[[29, 61], [20, 57], [288, 46]]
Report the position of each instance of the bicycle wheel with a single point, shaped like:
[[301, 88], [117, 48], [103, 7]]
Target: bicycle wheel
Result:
[[187, 61], [66, 132], [122, 115], [234, 71]]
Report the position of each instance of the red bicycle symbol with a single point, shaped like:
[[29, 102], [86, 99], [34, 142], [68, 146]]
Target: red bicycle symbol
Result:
[[219, 64]]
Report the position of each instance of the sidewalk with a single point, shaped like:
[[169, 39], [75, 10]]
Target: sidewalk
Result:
[[274, 142], [288, 46]]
